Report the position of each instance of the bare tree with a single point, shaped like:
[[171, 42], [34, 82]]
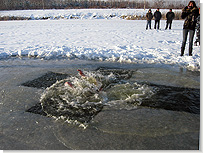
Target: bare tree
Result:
[[159, 3]]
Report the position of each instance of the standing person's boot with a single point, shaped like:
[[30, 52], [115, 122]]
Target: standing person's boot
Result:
[[190, 51], [182, 51]]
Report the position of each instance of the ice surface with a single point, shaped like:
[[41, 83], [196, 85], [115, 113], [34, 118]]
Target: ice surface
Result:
[[112, 128]]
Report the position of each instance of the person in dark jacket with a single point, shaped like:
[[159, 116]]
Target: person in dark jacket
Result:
[[189, 13], [149, 17], [169, 16], [157, 18], [197, 42]]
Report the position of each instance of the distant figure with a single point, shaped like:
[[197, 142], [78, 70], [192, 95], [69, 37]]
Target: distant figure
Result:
[[169, 16], [149, 17], [189, 13], [157, 18], [197, 42]]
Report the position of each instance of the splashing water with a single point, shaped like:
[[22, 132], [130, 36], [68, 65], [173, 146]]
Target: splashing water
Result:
[[79, 98]]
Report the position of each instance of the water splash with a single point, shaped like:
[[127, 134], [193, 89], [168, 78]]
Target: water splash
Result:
[[79, 98]]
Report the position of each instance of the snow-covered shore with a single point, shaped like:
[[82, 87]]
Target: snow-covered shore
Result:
[[79, 13], [112, 39]]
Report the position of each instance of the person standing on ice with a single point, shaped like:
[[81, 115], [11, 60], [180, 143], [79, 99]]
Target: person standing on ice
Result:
[[169, 16], [157, 18], [189, 13], [149, 17]]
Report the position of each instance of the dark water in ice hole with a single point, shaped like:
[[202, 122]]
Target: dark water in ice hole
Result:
[[118, 90]]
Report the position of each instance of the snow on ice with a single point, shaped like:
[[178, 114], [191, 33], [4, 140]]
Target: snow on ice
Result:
[[95, 35]]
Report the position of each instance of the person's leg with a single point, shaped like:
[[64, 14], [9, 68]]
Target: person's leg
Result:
[[191, 36], [155, 24], [150, 24], [170, 25], [166, 25], [197, 42], [158, 24], [185, 34], [199, 38], [147, 25]]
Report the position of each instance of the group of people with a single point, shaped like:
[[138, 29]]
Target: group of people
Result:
[[190, 13], [157, 16]]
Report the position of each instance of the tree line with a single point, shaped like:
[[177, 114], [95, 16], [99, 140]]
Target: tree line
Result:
[[86, 4]]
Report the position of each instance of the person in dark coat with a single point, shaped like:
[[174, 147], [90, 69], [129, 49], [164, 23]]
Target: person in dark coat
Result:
[[197, 42], [157, 18], [189, 13], [169, 16], [149, 17]]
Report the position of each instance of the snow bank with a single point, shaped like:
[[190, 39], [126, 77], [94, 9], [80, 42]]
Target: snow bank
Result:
[[105, 40]]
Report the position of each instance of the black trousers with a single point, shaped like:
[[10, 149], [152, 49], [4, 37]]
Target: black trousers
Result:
[[168, 23], [157, 23]]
